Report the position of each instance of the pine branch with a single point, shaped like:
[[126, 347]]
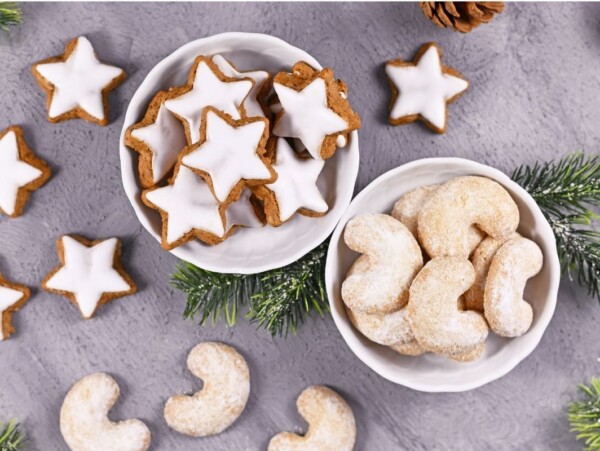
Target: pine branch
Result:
[[12, 437], [584, 416], [568, 193], [10, 14]]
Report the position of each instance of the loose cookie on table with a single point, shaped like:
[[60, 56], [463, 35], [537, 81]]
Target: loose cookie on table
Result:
[[90, 273], [331, 424], [207, 86], [421, 90], [12, 298], [21, 172], [77, 83], [313, 110]]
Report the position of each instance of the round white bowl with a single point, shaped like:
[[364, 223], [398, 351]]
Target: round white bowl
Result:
[[248, 251], [429, 372]]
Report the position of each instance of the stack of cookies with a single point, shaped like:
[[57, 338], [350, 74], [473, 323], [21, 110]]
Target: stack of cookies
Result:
[[445, 267], [231, 149]]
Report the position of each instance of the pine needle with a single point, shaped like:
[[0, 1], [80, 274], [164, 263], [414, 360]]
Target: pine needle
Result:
[[568, 193], [10, 14], [584, 416], [12, 437]]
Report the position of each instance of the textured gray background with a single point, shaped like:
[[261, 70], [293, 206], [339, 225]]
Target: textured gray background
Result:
[[535, 74]]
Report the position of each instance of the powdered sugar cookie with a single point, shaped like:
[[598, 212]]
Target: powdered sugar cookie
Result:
[[295, 189], [505, 309], [223, 397], [253, 105], [12, 298], [394, 260], [331, 424], [84, 421], [21, 172], [313, 111], [207, 86], [188, 210], [158, 138], [407, 208], [90, 273], [457, 205], [77, 83], [411, 348], [230, 154], [433, 313], [422, 89]]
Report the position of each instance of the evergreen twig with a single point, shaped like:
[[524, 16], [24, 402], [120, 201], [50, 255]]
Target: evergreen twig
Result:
[[10, 14], [12, 437], [584, 416]]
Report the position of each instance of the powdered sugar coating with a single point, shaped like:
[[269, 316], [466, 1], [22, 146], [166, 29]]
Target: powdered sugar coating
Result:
[[411, 348]]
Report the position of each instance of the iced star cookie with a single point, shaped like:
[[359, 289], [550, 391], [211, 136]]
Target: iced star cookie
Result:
[[244, 212], [422, 89], [158, 138], [295, 189], [207, 86], [188, 210], [77, 83], [12, 298], [253, 105], [230, 154], [21, 172], [90, 273], [313, 109]]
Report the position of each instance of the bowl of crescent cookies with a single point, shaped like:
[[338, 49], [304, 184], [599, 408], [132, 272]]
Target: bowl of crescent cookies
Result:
[[442, 275]]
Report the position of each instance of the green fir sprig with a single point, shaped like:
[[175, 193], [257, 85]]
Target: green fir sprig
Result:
[[12, 438], [568, 193], [584, 416], [10, 14], [277, 300]]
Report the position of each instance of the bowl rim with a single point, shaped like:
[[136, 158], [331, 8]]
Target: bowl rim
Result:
[[534, 334], [132, 188]]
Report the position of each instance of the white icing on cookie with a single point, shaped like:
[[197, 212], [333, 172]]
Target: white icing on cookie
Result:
[[424, 89], [165, 138], [296, 184], [88, 273], [341, 141], [241, 213], [189, 204], [79, 81], [208, 90], [229, 154], [8, 298], [14, 173], [251, 104], [307, 116]]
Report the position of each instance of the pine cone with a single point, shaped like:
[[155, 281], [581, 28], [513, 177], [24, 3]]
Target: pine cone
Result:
[[461, 16]]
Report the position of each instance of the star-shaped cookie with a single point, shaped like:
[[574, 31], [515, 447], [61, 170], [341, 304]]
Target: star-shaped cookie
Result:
[[313, 110], [77, 83], [21, 172], [90, 273], [207, 86], [422, 89], [12, 298], [295, 189], [230, 154], [188, 210]]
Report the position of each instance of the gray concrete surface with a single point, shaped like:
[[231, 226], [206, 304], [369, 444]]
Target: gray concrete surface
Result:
[[535, 74]]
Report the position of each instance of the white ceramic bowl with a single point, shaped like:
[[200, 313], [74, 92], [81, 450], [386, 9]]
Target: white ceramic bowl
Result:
[[248, 251], [429, 372]]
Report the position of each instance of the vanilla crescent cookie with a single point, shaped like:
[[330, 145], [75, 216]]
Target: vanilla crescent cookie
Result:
[[90, 273], [21, 172], [331, 424], [12, 298], [394, 260], [84, 421], [457, 205], [435, 319], [411, 348], [207, 86], [508, 314], [223, 397], [77, 83], [230, 154]]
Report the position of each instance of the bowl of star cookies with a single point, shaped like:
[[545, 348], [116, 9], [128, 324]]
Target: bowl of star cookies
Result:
[[442, 275], [239, 152]]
